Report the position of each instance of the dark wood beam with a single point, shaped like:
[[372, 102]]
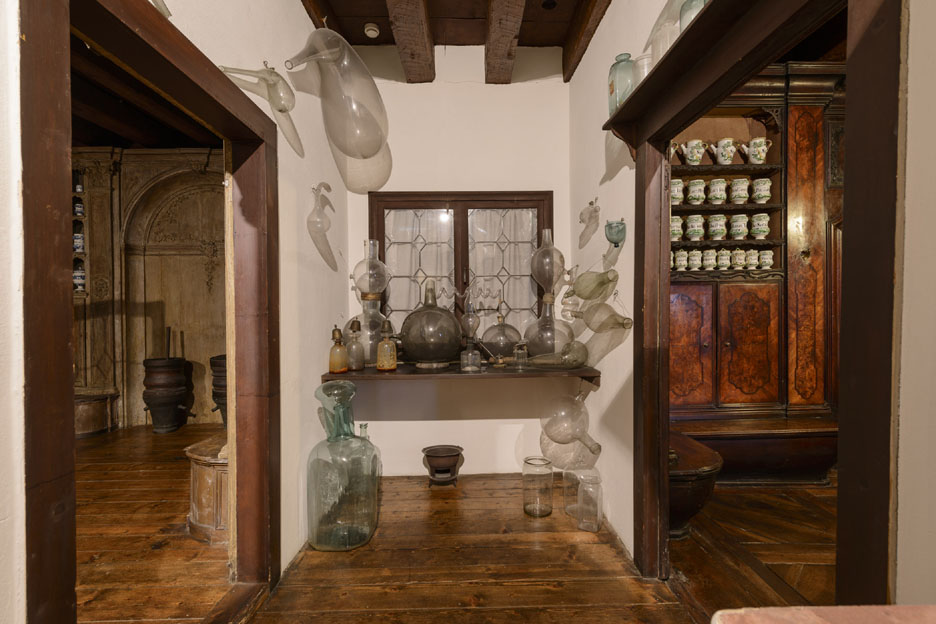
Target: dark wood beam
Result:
[[500, 48], [108, 76], [323, 15], [581, 30], [409, 20]]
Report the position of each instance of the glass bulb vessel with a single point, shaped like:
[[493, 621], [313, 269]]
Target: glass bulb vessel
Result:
[[567, 422], [594, 286], [537, 486], [547, 334], [688, 11], [470, 321], [500, 338], [572, 355], [371, 321], [343, 476], [547, 263], [431, 334], [370, 275]]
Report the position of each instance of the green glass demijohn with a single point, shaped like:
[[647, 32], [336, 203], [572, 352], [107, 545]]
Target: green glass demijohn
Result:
[[343, 476]]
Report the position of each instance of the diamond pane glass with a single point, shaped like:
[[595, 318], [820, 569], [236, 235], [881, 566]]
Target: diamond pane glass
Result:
[[485, 225], [403, 258], [486, 259], [520, 225], [401, 225], [419, 245], [436, 225]]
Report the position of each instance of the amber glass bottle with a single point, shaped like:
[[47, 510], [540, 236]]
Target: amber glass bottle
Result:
[[386, 350], [338, 355]]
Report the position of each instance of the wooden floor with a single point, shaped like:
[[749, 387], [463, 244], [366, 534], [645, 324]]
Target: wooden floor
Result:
[[758, 546], [469, 554], [136, 562]]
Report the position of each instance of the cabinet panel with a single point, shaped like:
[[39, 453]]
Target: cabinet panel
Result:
[[691, 367], [749, 343]]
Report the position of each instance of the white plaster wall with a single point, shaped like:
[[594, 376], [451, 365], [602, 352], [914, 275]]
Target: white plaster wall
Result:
[[600, 165], [916, 497], [12, 379], [243, 33], [460, 134]]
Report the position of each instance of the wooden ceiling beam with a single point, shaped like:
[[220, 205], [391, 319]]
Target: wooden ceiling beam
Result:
[[581, 30], [323, 15], [504, 18], [409, 20], [133, 92]]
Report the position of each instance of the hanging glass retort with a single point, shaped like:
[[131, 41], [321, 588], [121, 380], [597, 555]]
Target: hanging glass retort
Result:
[[601, 317], [370, 278], [593, 286], [274, 89], [431, 334], [572, 355], [343, 476], [355, 116], [564, 439]]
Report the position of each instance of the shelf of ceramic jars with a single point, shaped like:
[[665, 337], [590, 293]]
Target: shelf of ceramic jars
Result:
[[728, 275], [706, 244], [680, 209], [405, 372], [680, 171]]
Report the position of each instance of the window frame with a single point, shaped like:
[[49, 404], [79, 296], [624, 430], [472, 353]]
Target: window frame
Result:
[[459, 202]]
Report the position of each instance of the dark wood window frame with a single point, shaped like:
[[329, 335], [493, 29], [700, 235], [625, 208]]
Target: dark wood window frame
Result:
[[460, 202], [137, 37], [684, 85]]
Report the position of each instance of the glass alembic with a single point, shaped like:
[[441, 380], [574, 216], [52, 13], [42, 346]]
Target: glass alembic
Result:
[[370, 279], [547, 334], [343, 476], [470, 357]]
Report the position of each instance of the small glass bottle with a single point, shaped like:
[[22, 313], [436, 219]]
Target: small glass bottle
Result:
[[355, 348], [338, 355], [386, 350], [471, 359], [521, 356], [588, 507], [537, 486]]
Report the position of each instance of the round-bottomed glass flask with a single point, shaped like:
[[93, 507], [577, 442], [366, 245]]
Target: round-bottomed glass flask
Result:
[[431, 334], [547, 334], [500, 338], [547, 263]]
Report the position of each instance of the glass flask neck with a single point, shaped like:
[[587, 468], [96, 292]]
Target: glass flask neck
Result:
[[547, 237], [371, 304], [371, 249], [547, 309], [339, 424], [430, 299]]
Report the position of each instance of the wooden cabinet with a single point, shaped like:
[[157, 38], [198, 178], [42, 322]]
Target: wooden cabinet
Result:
[[749, 343], [692, 359]]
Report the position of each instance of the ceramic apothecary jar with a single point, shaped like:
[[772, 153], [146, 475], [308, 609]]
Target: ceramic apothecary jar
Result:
[[738, 258], [761, 191], [739, 228], [760, 225], [695, 227], [682, 259], [716, 227], [766, 259], [695, 260], [696, 193], [717, 193], [724, 150], [709, 259], [723, 259], [756, 150], [739, 190], [751, 259], [676, 192], [693, 150], [675, 228]]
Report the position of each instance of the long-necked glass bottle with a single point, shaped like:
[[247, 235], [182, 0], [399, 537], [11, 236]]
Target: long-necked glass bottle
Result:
[[343, 476], [370, 278]]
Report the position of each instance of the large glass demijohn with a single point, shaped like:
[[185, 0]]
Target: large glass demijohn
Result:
[[343, 476], [431, 334]]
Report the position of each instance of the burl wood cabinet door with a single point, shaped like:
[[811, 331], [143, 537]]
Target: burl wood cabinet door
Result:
[[691, 367], [749, 343]]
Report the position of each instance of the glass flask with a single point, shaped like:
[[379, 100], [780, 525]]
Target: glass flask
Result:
[[471, 360], [338, 354], [567, 421], [371, 320], [353, 111], [620, 81], [547, 263], [594, 286], [601, 317], [431, 334], [547, 334], [386, 350], [616, 232], [572, 355], [537, 486], [500, 338], [343, 476], [370, 275], [354, 346], [588, 505], [273, 88]]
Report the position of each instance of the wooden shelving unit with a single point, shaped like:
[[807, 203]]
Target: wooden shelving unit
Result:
[[730, 244], [763, 171], [409, 372], [687, 209]]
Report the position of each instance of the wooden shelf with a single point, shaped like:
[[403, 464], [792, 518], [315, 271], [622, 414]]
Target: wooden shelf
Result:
[[408, 372], [678, 209], [730, 275], [706, 244], [681, 171]]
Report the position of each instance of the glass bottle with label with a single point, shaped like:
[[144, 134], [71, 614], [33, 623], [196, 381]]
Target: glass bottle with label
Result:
[[355, 348], [338, 355], [386, 350]]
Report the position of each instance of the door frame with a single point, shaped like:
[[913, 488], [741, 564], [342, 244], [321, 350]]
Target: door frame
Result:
[[136, 36]]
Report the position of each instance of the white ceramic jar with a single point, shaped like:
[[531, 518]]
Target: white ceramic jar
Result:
[[693, 150], [709, 259], [695, 227], [739, 190], [739, 228], [675, 191], [717, 229], [682, 259], [675, 228], [723, 259], [695, 260], [751, 259], [756, 150], [761, 191], [696, 194], [738, 258], [78, 245], [724, 150], [760, 225], [766, 259], [716, 193]]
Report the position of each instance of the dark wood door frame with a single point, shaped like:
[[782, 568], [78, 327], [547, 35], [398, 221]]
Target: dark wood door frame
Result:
[[137, 37]]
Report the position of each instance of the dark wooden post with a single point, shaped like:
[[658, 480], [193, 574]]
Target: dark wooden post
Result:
[[651, 364]]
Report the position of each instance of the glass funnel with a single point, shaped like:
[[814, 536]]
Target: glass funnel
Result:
[[343, 476]]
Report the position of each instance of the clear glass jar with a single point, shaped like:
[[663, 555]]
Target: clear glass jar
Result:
[[588, 505], [620, 81], [471, 360], [537, 486], [570, 488], [343, 476], [521, 356]]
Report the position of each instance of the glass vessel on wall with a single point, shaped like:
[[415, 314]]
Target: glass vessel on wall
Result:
[[620, 81], [573, 355], [547, 264], [431, 334], [567, 422], [537, 486], [500, 338], [547, 334], [343, 476]]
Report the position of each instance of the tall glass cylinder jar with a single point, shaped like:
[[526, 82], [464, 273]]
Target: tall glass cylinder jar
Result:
[[588, 506], [537, 486]]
